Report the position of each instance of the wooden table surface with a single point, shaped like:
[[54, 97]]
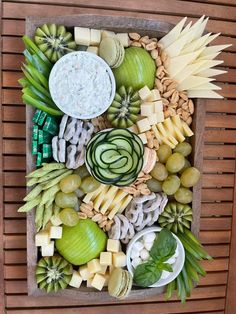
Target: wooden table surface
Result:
[[216, 292]]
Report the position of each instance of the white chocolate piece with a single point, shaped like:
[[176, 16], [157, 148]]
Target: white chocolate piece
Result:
[[149, 237], [82, 36], [98, 281], [135, 262], [94, 266], [148, 245], [138, 246], [144, 254], [145, 93], [48, 250], [119, 259], [55, 232], [143, 125], [76, 280], [42, 238], [134, 253], [106, 258], [113, 245]]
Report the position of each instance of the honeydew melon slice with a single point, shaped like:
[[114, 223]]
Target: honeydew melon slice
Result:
[[169, 38], [203, 94]]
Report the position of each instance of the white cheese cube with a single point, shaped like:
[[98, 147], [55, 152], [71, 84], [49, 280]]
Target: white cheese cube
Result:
[[158, 106], [89, 282], [133, 129], [111, 268], [136, 261], [55, 232], [147, 109], [113, 245], [84, 272], [94, 266], [144, 254], [42, 238], [145, 93], [123, 38], [98, 282], [119, 259], [107, 34], [143, 125], [55, 220], [95, 37], [160, 116], [48, 250], [82, 36], [106, 258], [149, 237], [143, 138], [76, 280], [104, 269], [152, 119], [107, 276], [93, 49], [155, 94]]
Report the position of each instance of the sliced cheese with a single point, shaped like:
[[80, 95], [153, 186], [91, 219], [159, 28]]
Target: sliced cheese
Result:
[[187, 131], [178, 135], [109, 199], [207, 86], [82, 36], [157, 134], [188, 71], [193, 81], [173, 34], [175, 48], [214, 49], [100, 198], [196, 44], [211, 72], [178, 122], [143, 125], [199, 27], [125, 203], [186, 29], [92, 195], [169, 126], [158, 106], [209, 57], [95, 38], [203, 94]]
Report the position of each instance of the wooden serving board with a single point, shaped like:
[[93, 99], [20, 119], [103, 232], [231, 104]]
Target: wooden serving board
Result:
[[152, 28]]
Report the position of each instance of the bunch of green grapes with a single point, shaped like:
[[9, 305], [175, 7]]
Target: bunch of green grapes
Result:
[[173, 173]]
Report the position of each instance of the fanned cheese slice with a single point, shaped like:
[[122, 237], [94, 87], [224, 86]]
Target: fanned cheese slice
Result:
[[196, 44], [203, 94], [189, 70], [199, 29], [211, 38], [193, 81], [177, 64], [169, 38], [209, 64], [214, 49], [211, 72], [186, 29], [175, 48], [207, 86], [210, 56]]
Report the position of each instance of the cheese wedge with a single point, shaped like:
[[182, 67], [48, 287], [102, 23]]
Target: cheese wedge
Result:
[[175, 48], [143, 135]]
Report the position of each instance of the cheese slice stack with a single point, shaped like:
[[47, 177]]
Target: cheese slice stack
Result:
[[191, 60]]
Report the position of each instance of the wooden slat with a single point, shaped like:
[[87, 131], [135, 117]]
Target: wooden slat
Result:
[[212, 195], [13, 113], [219, 151], [214, 136], [14, 194], [10, 211], [14, 179], [216, 209], [216, 237], [218, 250], [220, 121], [12, 61], [15, 242], [16, 226], [217, 180], [15, 257], [14, 162], [14, 147], [216, 223], [218, 166], [228, 106], [16, 130], [11, 97]]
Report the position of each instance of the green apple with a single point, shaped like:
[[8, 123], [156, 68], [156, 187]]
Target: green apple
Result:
[[137, 70], [81, 243]]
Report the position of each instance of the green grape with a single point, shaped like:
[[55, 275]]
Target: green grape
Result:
[[64, 200], [171, 185], [69, 217], [190, 177], [184, 196], [183, 148], [175, 163], [159, 172], [154, 185], [186, 165], [89, 184], [70, 183], [82, 171], [163, 153]]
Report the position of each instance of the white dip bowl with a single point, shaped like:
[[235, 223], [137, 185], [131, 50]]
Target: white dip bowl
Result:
[[82, 85], [177, 266]]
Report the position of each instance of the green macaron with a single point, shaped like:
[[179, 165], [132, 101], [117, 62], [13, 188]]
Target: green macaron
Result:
[[120, 283]]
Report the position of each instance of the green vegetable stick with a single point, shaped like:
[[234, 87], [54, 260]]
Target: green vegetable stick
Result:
[[170, 289], [56, 209], [51, 175], [57, 180], [45, 169], [37, 173], [33, 193], [39, 216], [29, 205], [49, 194], [31, 182], [53, 166], [47, 214]]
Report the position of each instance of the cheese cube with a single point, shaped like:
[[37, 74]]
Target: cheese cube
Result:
[[143, 138], [94, 266], [42, 238], [55, 232], [76, 280], [123, 38], [143, 125], [84, 272], [152, 120], [82, 36], [93, 49], [145, 93], [133, 129], [155, 94], [107, 276], [98, 282], [106, 258], [95, 37], [160, 116], [113, 245], [119, 259], [48, 250], [104, 269], [89, 282], [107, 34], [55, 220], [158, 106], [111, 268], [147, 109]]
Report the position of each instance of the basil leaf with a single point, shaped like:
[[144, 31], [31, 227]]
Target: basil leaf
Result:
[[164, 246], [146, 274], [165, 266]]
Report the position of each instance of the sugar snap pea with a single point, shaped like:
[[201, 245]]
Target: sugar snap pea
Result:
[[51, 175], [53, 166], [39, 212], [57, 180], [47, 167], [47, 214], [48, 195], [37, 173], [33, 193], [29, 205], [32, 181]]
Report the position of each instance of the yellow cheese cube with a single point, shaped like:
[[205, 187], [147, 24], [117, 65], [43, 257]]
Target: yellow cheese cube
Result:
[[160, 116], [104, 269], [42, 238], [123, 38], [111, 268], [84, 272], [55, 232], [89, 282], [113, 245], [98, 282], [145, 93], [95, 37], [143, 138], [158, 106], [48, 250], [106, 258], [147, 109], [133, 129], [155, 94], [76, 280], [93, 49], [143, 125], [119, 259], [94, 266], [82, 36], [152, 119]]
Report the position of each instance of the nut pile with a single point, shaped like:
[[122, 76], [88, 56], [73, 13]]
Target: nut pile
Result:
[[174, 101], [88, 211], [139, 187]]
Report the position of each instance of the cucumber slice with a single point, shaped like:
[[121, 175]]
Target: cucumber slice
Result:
[[98, 150], [109, 156], [126, 168], [119, 163], [135, 163], [119, 132], [138, 149], [126, 182], [107, 175], [139, 141], [123, 144]]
